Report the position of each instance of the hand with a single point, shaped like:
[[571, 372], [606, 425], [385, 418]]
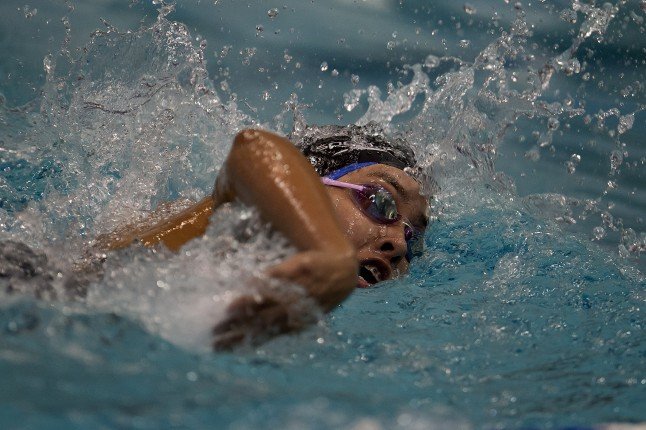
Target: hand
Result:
[[271, 311], [327, 276]]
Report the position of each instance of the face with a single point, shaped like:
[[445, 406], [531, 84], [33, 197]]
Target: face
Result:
[[381, 248]]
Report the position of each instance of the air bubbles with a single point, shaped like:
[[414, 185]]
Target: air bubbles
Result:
[[598, 233], [259, 29], [354, 79], [469, 9], [324, 66], [464, 43], [272, 13], [334, 73], [265, 95]]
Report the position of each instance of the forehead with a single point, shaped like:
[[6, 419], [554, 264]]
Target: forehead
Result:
[[406, 187]]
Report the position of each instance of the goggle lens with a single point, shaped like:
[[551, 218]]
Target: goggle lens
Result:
[[379, 204]]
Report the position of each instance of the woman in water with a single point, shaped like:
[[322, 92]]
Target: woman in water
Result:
[[344, 198]]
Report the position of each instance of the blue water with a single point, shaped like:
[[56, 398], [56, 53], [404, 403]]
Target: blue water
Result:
[[525, 310]]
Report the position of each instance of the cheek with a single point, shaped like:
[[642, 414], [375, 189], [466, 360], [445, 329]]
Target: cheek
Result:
[[352, 221]]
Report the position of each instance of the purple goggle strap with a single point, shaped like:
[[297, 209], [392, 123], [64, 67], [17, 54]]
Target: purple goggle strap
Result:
[[334, 183]]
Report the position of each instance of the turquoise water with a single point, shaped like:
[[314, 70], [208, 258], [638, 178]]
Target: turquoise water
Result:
[[525, 310]]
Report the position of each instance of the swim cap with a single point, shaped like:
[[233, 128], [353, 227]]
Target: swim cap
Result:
[[332, 147]]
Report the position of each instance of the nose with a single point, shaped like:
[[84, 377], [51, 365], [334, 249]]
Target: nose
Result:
[[393, 246]]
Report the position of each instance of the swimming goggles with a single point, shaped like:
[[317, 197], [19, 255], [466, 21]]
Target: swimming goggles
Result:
[[378, 204]]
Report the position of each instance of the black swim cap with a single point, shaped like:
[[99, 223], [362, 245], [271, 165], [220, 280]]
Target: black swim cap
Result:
[[331, 147]]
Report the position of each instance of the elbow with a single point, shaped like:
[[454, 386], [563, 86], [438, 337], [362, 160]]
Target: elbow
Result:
[[246, 137]]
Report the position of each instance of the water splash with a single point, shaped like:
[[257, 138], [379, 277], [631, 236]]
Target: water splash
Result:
[[504, 298]]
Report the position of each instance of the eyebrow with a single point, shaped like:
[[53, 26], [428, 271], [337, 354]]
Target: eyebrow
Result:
[[421, 219]]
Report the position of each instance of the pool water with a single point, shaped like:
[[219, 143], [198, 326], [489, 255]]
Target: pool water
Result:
[[524, 311]]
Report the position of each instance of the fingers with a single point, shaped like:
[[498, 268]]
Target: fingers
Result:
[[252, 320]]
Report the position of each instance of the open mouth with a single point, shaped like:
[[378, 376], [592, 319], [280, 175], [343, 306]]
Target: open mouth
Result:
[[372, 272]]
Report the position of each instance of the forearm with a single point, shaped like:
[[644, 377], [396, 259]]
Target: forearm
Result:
[[268, 172]]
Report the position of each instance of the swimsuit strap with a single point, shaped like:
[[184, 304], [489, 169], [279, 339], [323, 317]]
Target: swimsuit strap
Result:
[[336, 174]]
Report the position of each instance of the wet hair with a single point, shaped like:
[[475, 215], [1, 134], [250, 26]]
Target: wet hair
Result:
[[331, 147]]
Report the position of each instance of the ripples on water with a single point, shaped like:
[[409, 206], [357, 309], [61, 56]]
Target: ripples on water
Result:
[[525, 309]]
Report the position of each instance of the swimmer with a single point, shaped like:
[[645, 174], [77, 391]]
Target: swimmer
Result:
[[343, 197]]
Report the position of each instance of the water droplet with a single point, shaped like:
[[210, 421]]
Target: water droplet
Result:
[[572, 67], [260, 28], [575, 159], [334, 73], [616, 159], [391, 45], [533, 154], [432, 61], [625, 123], [324, 66], [568, 15], [469, 9], [29, 13], [553, 124], [354, 79], [48, 64], [351, 100], [272, 13], [225, 51], [571, 167]]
